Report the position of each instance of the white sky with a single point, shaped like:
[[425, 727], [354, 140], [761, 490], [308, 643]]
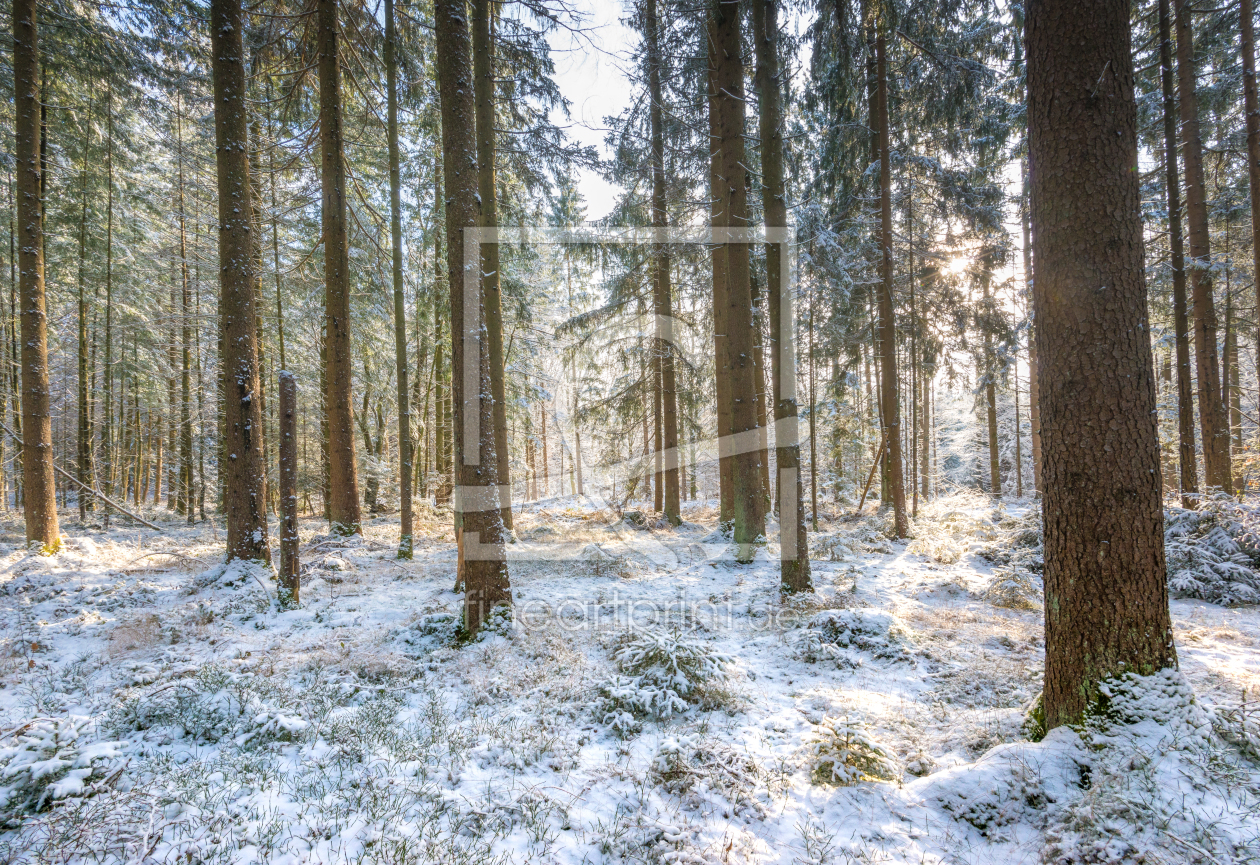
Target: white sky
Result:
[[588, 72]]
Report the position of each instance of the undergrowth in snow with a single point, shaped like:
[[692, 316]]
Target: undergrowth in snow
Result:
[[1213, 551], [651, 701]]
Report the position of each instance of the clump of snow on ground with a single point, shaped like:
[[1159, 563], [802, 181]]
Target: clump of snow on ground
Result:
[[652, 701]]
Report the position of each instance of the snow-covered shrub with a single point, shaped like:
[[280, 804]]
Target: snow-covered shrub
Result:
[[692, 766], [809, 646], [1240, 726], [1012, 589], [843, 753], [1016, 543], [1213, 551], [865, 629], [52, 759], [663, 674], [944, 533], [213, 706]]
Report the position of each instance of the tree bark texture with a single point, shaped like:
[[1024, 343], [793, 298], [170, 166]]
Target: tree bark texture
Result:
[[484, 569], [1034, 374], [343, 475], [726, 105], [1213, 423], [405, 449], [243, 469], [39, 493], [487, 184], [1251, 107], [1186, 458], [662, 292], [1106, 597], [890, 400], [794, 570], [290, 578]]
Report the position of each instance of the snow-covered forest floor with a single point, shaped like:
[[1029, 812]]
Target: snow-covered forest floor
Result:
[[157, 707]]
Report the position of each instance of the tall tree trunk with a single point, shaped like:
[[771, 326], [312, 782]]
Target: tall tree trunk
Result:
[[1251, 107], [1106, 593], [84, 470], [722, 383], [794, 571], [483, 75], [405, 456], [183, 489], [990, 392], [662, 292], [39, 491], [107, 371], [726, 105], [343, 476], [243, 468], [890, 400], [1213, 423], [480, 531], [290, 579], [1034, 374], [1189, 471]]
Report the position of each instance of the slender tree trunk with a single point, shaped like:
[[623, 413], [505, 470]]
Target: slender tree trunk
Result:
[[483, 75], [107, 371], [343, 477], [83, 464], [1251, 107], [243, 468], [722, 383], [1034, 374], [813, 417], [1019, 445], [405, 456], [794, 570], [1106, 593], [1213, 423], [290, 579], [39, 491], [925, 432], [479, 517], [1189, 472], [914, 357], [726, 105], [887, 343], [990, 396]]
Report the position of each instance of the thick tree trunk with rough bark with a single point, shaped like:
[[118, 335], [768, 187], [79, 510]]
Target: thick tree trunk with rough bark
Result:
[[343, 475], [794, 570], [1106, 594], [480, 531], [890, 399], [726, 105], [243, 466], [405, 450], [39, 494], [483, 75], [662, 293], [1213, 423]]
